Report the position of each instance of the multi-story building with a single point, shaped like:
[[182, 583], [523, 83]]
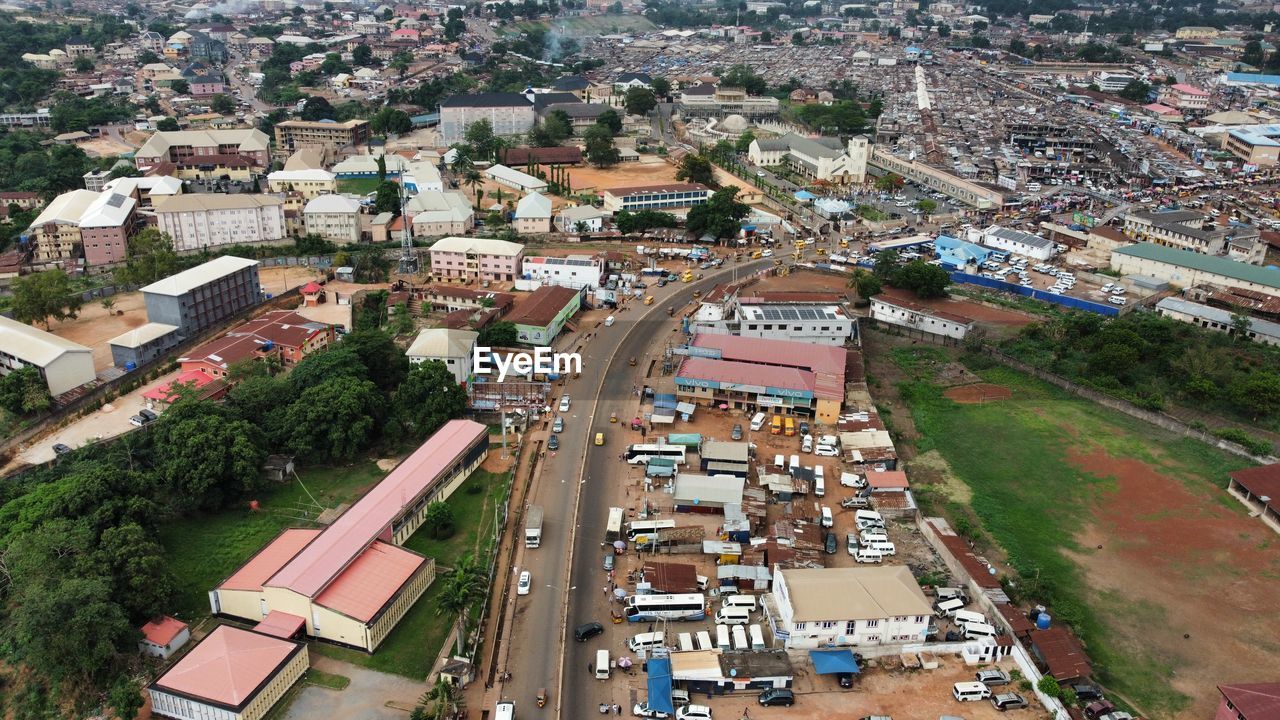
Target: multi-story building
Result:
[[1187, 230], [541, 317], [1113, 82], [974, 194], [580, 218], [435, 213], [333, 217], [201, 221], [533, 214], [106, 226], [719, 102], [1212, 318], [1184, 268], [64, 365], [509, 113], [204, 295], [190, 149], [817, 318], [469, 259], [1018, 242], [294, 135], [56, 230], [1254, 144], [574, 271], [307, 183], [206, 86], [822, 158], [824, 607], [655, 197], [147, 190], [1189, 99], [451, 348], [916, 317]]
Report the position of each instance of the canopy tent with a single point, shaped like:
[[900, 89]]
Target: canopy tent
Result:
[[830, 662], [659, 685], [665, 400]]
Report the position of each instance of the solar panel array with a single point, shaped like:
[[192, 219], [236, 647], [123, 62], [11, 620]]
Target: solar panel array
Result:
[[790, 312]]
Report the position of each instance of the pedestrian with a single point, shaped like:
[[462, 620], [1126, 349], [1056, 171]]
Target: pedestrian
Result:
[[606, 589], [617, 709]]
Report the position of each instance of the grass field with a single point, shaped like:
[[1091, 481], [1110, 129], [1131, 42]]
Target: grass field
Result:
[[358, 186], [593, 25], [204, 550], [1021, 462]]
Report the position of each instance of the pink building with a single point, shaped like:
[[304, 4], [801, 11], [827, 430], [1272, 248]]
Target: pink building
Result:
[[105, 228], [207, 86], [1186, 98], [467, 259]]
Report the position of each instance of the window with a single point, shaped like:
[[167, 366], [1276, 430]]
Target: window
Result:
[[873, 624]]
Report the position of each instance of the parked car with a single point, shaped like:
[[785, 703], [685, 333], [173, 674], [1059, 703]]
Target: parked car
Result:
[[608, 561], [991, 677], [851, 543], [558, 425], [855, 502], [60, 449], [525, 583], [777, 696], [1097, 709], [832, 544], [564, 403], [149, 415], [586, 631], [137, 421], [736, 433], [1085, 691], [826, 451], [553, 442], [643, 710], [845, 679], [693, 712], [1008, 701]]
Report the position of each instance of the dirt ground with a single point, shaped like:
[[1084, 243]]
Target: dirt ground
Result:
[[104, 147], [979, 393], [1194, 575], [95, 325], [650, 170], [977, 311], [803, 281]]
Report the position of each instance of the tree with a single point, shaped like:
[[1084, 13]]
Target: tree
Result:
[[661, 86], [464, 585], [744, 77], [333, 65], [1258, 392], [204, 457], [25, 392], [390, 121], [499, 334], [83, 64], [167, 124], [1049, 686], [695, 169], [151, 258], [125, 698], [719, 217], [259, 399], [639, 101], [599, 146], [318, 368], [180, 87], [629, 222], [147, 57], [44, 295], [1136, 91], [428, 397], [889, 182], [926, 205], [866, 283], [480, 137], [886, 263], [65, 627], [334, 420], [385, 364], [455, 25], [743, 144], [927, 281], [439, 521], [362, 55], [316, 108], [222, 104], [135, 562], [1252, 54], [610, 119], [388, 198], [558, 126], [944, 30]]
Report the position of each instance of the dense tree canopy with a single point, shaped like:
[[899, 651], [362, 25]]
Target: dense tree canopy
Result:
[[720, 217]]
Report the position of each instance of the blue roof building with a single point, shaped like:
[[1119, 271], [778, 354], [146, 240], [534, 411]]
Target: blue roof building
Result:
[[956, 253]]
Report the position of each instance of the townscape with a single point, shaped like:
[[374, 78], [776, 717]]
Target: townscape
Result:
[[766, 359]]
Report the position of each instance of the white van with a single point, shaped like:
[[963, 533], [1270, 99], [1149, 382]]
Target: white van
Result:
[[870, 535], [704, 640], [741, 601], [777, 462], [602, 664], [948, 607], [686, 642], [869, 516], [608, 322], [757, 637], [733, 616], [970, 691], [806, 444], [794, 462], [740, 638], [827, 519], [819, 484], [978, 630], [645, 641], [867, 555], [504, 710], [968, 616], [947, 593], [722, 637], [884, 546], [757, 421]]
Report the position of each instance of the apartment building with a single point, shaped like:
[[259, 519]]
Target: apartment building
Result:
[[719, 102], [200, 221], [469, 259], [294, 135], [333, 217], [190, 149], [533, 214], [826, 607], [204, 295], [655, 197], [509, 113], [84, 223], [56, 230], [433, 212], [307, 183], [1254, 144], [1187, 230], [1189, 99]]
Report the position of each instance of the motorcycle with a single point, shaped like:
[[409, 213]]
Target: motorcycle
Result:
[[542, 697]]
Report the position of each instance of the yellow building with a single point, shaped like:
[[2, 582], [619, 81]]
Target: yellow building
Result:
[[293, 135], [309, 183]]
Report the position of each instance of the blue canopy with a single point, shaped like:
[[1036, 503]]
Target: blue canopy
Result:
[[830, 662], [660, 685], [665, 400]]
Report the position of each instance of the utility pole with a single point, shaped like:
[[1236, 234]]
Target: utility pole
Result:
[[408, 261]]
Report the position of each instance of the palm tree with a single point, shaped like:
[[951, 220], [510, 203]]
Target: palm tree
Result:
[[473, 179], [440, 698], [463, 586]]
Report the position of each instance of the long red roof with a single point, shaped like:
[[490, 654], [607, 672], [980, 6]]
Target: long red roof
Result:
[[228, 666]]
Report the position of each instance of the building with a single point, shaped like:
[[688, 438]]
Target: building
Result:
[[147, 190], [1184, 268], [351, 582], [366, 166], [143, 344], [82, 222], [1187, 98], [822, 158], [533, 214], [817, 318], [956, 254], [163, 636], [655, 197], [560, 155], [919, 318], [1196, 32], [542, 315], [1018, 242], [281, 334], [524, 182], [453, 348], [205, 86], [1254, 144], [94, 180], [754, 374], [200, 221], [710, 101], [333, 217], [64, 365], [192, 150], [232, 674], [469, 259], [1257, 701], [292, 135], [1187, 230], [422, 176], [1110, 82], [574, 272], [829, 607], [1212, 318], [309, 184], [580, 219], [974, 194], [509, 114], [628, 80], [436, 213], [204, 295]]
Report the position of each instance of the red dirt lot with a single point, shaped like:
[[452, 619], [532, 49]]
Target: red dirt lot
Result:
[[977, 311], [978, 393], [1187, 577]]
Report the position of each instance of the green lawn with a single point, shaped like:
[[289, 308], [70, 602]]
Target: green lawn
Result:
[[324, 679], [473, 507], [1031, 498], [204, 550], [358, 186]]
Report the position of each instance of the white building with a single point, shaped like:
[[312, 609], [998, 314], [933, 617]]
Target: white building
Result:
[[580, 218], [1212, 318], [206, 220], [533, 214], [822, 158], [64, 365], [906, 314], [574, 271], [452, 347], [1018, 242], [515, 179], [163, 637], [333, 217], [435, 212], [308, 183], [822, 607], [1113, 82], [422, 176], [819, 320]]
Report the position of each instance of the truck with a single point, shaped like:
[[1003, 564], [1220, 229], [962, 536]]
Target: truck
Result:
[[533, 527]]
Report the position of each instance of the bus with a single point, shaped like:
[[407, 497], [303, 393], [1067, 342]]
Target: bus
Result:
[[639, 454], [641, 528], [504, 710], [613, 529], [647, 608]]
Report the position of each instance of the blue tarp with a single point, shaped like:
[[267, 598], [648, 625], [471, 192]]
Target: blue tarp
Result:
[[665, 400], [660, 685], [828, 662], [804, 195]]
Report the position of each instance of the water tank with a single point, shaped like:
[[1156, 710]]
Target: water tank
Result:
[[1042, 621], [130, 366]]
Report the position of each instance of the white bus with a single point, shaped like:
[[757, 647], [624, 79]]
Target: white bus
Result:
[[640, 454], [647, 608], [647, 527], [504, 710], [613, 529]]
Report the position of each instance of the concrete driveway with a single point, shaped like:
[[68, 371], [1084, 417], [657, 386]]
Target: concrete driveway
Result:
[[365, 698]]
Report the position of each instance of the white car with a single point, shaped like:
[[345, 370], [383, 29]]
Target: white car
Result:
[[642, 710], [767, 253], [524, 583], [564, 403], [1116, 300], [693, 712], [826, 451]]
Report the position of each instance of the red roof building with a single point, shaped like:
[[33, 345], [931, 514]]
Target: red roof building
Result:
[[1258, 701], [312, 294], [163, 636], [1259, 489], [234, 671], [204, 385]]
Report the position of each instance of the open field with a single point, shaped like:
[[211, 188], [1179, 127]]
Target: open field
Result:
[[592, 25], [358, 186], [1126, 529], [650, 170], [96, 325]]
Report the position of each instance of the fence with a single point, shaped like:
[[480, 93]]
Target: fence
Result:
[[1063, 300]]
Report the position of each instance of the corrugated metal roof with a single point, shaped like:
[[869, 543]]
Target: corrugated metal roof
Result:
[[200, 275], [369, 583], [1204, 263], [706, 489], [32, 345], [835, 594], [268, 561], [229, 666]]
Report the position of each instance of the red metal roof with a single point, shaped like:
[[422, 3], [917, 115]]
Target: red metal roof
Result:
[[1258, 701], [543, 306], [282, 327], [165, 391], [888, 480], [268, 561], [1061, 653], [959, 548], [280, 624], [225, 351], [228, 666], [1261, 481], [162, 630], [745, 373], [370, 582], [783, 353], [320, 562], [311, 288]]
